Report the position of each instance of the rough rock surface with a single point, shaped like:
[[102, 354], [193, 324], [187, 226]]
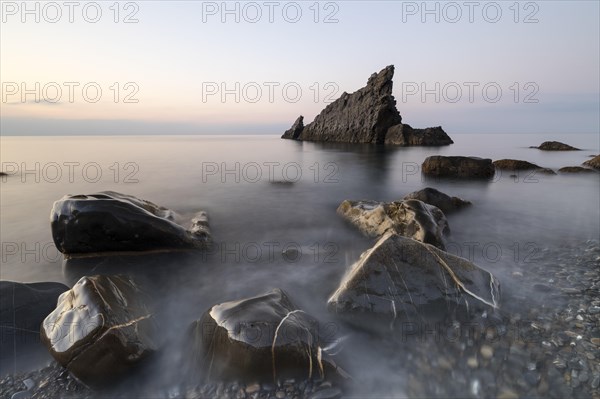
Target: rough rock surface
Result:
[[555, 146], [438, 199], [366, 116], [408, 280], [265, 337], [23, 307], [100, 328], [576, 169], [110, 221], [410, 218], [515, 164], [405, 135], [593, 163], [457, 166], [294, 132]]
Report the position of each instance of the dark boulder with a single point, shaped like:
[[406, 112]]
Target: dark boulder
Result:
[[593, 163], [457, 166], [438, 199], [110, 221], [264, 338], [100, 329], [405, 135], [23, 308], [576, 169], [403, 279], [410, 218], [555, 146], [366, 116]]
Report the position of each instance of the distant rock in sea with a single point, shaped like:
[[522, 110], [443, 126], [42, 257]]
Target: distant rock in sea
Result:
[[576, 169], [368, 115], [457, 166], [555, 146], [516, 164], [593, 163]]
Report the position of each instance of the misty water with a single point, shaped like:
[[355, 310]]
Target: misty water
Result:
[[263, 196]]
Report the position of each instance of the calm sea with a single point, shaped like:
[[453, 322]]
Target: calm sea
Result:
[[265, 195]]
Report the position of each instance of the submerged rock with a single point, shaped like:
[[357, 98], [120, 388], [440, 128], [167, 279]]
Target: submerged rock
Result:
[[593, 163], [110, 221], [438, 199], [100, 329], [405, 135], [457, 166], [264, 338], [368, 115], [515, 164], [410, 218], [576, 169], [23, 308], [405, 279], [555, 146]]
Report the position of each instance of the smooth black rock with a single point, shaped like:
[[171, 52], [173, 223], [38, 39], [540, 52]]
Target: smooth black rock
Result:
[[23, 308], [457, 166], [101, 328], [438, 199], [112, 222], [410, 218], [264, 338], [407, 280]]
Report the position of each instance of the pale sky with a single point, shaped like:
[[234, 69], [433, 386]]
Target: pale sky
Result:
[[179, 57]]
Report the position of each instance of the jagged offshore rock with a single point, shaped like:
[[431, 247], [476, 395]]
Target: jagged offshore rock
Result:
[[23, 307], [410, 218], [110, 221], [368, 115], [407, 280], [101, 328], [438, 199], [265, 337], [457, 166]]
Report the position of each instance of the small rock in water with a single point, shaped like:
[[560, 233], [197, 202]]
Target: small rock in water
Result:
[[250, 389], [472, 362], [487, 351]]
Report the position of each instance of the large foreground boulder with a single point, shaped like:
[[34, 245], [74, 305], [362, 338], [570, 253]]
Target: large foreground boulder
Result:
[[265, 337], [110, 221], [366, 116], [457, 166], [438, 199], [100, 328], [409, 218], [407, 280], [555, 146], [23, 308], [593, 163], [405, 135]]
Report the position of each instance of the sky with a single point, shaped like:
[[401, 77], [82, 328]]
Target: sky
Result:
[[194, 67]]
